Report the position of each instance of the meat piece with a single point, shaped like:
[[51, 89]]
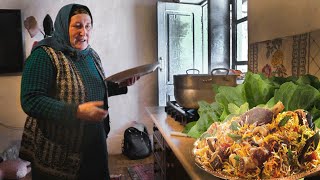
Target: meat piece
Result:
[[247, 164], [302, 116], [217, 162], [260, 115], [271, 145], [305, 118], [277, 108], [259, 155], [256, 115], [224, 150], [211, 143]]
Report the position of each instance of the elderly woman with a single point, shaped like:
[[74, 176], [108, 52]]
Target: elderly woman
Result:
[[64, 94]]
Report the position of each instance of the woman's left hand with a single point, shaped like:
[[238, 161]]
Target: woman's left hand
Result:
[[129, 81]]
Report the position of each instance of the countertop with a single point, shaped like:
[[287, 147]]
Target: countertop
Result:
[[181, 146]]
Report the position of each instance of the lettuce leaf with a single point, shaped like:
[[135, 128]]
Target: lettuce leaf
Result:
[[208, 113], [236, 111], [258, 89], [315, 112], [189, 126], [229, 94], [309, 79], [296, 96]]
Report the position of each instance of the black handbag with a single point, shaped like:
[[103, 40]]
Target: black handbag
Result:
[[136, 143]]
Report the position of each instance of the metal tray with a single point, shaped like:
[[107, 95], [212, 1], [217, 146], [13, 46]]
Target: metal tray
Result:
[[136, 71]]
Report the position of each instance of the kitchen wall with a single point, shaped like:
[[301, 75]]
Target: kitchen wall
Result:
[[270, 19], [124, 35]]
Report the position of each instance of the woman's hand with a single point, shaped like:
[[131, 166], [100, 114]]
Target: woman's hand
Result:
[[129, 81], [92, 111]]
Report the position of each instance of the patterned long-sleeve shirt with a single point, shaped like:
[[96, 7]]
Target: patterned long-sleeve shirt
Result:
[[37, 90]]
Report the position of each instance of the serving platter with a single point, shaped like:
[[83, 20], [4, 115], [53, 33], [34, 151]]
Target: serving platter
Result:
[[222, 175], [133, 72]]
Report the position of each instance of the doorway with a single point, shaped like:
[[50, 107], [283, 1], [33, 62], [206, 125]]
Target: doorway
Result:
[[182, 44]]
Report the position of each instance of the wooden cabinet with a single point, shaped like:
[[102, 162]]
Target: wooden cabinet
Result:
[[166, 164], [173, 157]]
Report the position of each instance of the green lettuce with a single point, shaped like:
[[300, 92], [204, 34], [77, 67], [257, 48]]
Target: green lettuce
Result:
[[297, 96], [208, 113], [257, 90]]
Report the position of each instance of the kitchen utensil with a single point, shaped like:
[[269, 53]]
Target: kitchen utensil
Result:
[[137, 71], [176, 133], [191, 88], [31, 24]]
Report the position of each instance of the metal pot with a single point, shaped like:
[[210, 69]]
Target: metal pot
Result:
[[191, 88]]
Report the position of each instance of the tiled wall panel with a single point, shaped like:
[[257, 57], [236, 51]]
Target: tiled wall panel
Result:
[[294, 55]]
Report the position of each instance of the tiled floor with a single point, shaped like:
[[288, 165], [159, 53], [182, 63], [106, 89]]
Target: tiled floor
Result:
[[118, 165]]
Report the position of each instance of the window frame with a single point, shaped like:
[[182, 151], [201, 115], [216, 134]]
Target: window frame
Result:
[[234, 23]]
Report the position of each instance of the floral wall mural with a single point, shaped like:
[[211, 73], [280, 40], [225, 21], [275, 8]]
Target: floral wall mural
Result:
[[282, 57], [275, 52]]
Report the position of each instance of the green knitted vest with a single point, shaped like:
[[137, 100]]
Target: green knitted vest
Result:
[[51, 147]]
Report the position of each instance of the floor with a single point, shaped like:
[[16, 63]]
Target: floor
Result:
[[118, 165]]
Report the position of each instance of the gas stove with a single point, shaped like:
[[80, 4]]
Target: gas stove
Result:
[[181, 114]]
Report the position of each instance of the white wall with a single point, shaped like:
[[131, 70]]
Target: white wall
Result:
[[124, 35], [269, 19]]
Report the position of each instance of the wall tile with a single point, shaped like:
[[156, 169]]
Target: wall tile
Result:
[[283, 57]]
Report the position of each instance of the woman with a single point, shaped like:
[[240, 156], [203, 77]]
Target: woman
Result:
[[64, 94]]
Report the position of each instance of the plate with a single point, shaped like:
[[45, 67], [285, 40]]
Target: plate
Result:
[[222, 175], [136, 71]]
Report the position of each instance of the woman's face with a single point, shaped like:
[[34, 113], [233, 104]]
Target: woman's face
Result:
[[79, 31]]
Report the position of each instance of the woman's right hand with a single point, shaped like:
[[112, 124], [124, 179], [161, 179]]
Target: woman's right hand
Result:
[[92, 111]]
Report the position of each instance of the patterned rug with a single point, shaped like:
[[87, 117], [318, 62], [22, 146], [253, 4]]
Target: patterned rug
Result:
[[141, 172]]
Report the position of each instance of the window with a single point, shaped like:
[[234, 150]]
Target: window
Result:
[[239, 35]]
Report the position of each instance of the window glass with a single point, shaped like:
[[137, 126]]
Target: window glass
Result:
[[242, 41], [241, 9], [242, 68]]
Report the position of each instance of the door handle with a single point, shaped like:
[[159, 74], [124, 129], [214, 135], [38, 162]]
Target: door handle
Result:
[[161, 64]]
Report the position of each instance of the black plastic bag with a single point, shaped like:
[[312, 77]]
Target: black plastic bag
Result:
[[136, 143]]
